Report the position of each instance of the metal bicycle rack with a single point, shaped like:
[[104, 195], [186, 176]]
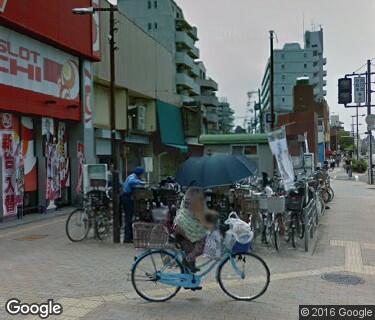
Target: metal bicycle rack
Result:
[[310, 215]]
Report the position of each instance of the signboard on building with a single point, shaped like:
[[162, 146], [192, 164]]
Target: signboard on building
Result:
[[359, 90], [28, 64], [9, 144], [279, 147]]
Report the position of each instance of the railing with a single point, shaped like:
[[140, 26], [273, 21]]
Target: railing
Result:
[[310, 215]]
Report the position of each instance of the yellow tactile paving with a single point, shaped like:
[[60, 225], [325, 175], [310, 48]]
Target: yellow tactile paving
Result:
[[353, 256]]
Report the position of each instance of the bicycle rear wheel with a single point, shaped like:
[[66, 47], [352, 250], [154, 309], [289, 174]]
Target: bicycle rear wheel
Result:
[[77, 225], [325, 195], [293, 228], [276, 236], [145, 275], [244, 276], [331, 193], [104, 227]]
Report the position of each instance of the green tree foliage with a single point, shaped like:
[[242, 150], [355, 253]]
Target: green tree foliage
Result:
[[345, 140], [359, 166]]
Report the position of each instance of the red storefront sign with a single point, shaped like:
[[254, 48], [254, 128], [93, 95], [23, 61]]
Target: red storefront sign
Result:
[[52, 21], [29, 64], [9, 142], [40, 45]]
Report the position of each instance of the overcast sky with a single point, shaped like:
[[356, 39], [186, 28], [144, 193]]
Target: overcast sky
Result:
[[235, 46]]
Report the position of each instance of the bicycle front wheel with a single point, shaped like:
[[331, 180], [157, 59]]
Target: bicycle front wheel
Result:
[[244, 276], [78, 225], [146, 272]]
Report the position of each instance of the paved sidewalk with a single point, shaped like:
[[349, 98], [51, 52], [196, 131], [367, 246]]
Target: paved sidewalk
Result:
[[90, 279], [34, 217]]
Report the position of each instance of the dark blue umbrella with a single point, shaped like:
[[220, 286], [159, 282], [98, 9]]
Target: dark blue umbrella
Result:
[[214, 171]]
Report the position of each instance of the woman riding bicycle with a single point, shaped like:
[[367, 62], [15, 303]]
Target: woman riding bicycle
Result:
[[192, 224]]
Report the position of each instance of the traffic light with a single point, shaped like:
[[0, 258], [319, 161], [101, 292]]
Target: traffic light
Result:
[[345, 90]]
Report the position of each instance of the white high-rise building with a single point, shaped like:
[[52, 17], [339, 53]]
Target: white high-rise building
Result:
[[165, 21], [292, 62]]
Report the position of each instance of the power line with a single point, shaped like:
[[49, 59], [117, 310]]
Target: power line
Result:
[[361, 67]]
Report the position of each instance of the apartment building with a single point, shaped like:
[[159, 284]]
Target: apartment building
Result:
[[309, 118], [292, 62], [208, 101], [225, 116], [165, 21], [149, 120]]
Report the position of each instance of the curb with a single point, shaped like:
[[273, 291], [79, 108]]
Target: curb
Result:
[[37, 217]]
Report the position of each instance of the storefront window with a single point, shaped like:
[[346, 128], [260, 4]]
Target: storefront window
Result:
[[251, 150]]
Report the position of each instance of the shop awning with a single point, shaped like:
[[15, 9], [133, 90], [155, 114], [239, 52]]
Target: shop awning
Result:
[[178, 146], [170, 126]]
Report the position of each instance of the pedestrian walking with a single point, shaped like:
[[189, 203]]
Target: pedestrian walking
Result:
[[332, 164], [133, 181], [348, 166], [337, 160]]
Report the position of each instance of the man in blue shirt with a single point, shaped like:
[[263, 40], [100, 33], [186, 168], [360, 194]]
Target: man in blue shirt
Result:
[[132, 181]]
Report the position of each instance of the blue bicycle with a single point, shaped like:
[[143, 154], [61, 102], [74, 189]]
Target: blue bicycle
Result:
[[158, 275]]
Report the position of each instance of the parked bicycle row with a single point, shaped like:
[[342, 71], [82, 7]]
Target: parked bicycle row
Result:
[[222, 219], [272, 213], [275, 214]]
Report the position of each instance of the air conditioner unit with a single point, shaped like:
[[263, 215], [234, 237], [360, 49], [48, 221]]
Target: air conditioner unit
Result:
[[141, 118]]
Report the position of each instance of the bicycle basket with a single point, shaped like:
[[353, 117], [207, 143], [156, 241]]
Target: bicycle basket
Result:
[[276, 204], [150, 235], [235, 246], [294, 203], [263, 203], [250, 205]]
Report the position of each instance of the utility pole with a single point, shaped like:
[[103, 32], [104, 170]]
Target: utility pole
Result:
[[112, 104], [255, 117], [115, 171], [353, 135], [260, 112], [369, 91], [272, 81]]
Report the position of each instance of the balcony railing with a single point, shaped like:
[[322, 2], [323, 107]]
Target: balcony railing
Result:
[[208, 100], [183, 24], [184, 39], [185, 59], [212, 117], [186, 81], [208, 83]]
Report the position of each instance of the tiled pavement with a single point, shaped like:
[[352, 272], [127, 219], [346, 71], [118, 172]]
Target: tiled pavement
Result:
[[90, 279]]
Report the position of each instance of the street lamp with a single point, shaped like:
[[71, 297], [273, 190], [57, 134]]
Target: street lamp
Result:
[[115, 173], [83, 11]]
